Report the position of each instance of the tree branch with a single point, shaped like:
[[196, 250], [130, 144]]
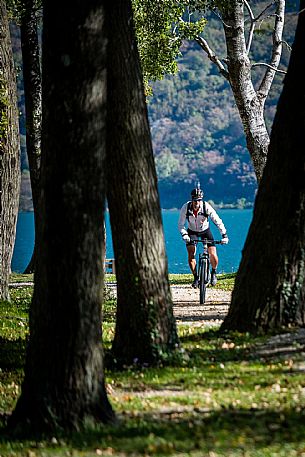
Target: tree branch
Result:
[[287, 45], [220, 18], [254, 21], [269, 66], [272, 67], [212, 56], [252, 27], [264, 10]]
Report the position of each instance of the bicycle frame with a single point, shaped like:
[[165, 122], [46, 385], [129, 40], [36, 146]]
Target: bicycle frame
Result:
[[204, 268]]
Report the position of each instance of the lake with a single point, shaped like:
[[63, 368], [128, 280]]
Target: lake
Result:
[[236, 221]]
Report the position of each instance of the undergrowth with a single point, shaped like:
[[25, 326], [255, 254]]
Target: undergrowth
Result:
[[218, 398]]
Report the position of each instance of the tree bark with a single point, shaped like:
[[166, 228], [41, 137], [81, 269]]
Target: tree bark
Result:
[[32, 95], [9, 154], [145, 326], [270, 286], [64, 381]]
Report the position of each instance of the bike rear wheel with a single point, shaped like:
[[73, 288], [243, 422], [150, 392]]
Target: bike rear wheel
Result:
[[204, 271]]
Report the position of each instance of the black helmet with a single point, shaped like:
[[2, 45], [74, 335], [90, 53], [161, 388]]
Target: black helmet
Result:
[[197, 194]]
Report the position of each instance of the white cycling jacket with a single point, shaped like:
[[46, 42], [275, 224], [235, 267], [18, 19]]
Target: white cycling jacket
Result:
[[200, 222]]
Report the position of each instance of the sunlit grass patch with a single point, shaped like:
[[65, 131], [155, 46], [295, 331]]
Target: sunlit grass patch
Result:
[[225, 280], [21, 299], [19, 277], [109, 277], [180, 278]]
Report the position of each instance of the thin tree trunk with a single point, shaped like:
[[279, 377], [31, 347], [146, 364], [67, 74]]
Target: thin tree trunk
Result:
[[9, 154], [64, 380], [145, 326], [270, 286], [250, 106], [32, 95], [249, 101]]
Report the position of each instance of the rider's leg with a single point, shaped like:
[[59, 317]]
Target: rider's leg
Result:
[[214, 262], [213, 257], [191, 250], [192, 264]]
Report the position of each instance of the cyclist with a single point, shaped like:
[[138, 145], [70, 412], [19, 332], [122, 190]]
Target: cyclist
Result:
[[196, 212]]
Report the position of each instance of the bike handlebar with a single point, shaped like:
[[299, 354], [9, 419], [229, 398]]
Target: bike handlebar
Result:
[[205, 241]]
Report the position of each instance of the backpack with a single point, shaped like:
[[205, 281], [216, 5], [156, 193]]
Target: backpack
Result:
[[189, 210]]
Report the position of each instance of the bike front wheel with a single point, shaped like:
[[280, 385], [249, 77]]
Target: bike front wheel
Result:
[[204, 271]]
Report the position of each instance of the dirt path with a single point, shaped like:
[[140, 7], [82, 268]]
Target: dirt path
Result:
[[188, 310]]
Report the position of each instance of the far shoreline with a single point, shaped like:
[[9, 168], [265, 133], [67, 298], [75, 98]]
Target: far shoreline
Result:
[[28, 209]]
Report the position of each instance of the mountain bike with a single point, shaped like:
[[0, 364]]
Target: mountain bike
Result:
[[204, 268]]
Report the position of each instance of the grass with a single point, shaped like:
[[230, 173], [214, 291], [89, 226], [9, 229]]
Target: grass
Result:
[[218, 398], [225, 281]]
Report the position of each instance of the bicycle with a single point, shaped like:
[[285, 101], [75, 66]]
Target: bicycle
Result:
[[204, 268]]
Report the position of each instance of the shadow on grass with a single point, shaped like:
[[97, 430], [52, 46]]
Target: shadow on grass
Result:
[[165, 434], [219, 346], [199, 349], [219, 432], [12, 353]]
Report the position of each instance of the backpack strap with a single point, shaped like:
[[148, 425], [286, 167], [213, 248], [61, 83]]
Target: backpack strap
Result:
[[189, 210], [204, 210]]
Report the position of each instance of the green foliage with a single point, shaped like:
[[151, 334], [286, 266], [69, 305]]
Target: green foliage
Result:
[[160, 28], [190, 30], [17, 8], [158, 46]]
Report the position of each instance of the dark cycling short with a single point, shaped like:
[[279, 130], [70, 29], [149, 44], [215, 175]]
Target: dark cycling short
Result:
[[206, 234]]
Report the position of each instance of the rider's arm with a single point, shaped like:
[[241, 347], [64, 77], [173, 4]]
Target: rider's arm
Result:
[[215, 218], [182, 219]]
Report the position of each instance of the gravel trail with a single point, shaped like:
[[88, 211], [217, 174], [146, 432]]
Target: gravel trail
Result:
[[188, 310]]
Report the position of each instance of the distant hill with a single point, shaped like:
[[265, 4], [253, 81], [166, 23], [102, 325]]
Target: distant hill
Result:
[[195, 126]]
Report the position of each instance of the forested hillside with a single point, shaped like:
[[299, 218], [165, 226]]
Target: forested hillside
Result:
[[196, 129]]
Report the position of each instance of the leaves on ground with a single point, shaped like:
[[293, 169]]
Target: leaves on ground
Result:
[[221, 395]]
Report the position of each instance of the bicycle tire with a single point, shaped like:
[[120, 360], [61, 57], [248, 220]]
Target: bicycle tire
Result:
[[203, 280]]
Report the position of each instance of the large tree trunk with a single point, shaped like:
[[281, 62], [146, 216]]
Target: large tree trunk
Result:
[[64, 381], [270, 286], [145, 325], [250, 102], [9, 154], [32, 95]]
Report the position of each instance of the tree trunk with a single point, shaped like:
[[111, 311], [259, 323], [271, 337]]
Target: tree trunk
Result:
[[64, 381], [270, 286], [250, 103], [32, 95], [9, 154], [145, 326]]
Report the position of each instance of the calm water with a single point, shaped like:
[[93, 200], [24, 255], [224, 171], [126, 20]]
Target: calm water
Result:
[[236, 221]]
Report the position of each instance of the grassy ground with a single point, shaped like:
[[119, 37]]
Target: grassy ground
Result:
[[216, 398]]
